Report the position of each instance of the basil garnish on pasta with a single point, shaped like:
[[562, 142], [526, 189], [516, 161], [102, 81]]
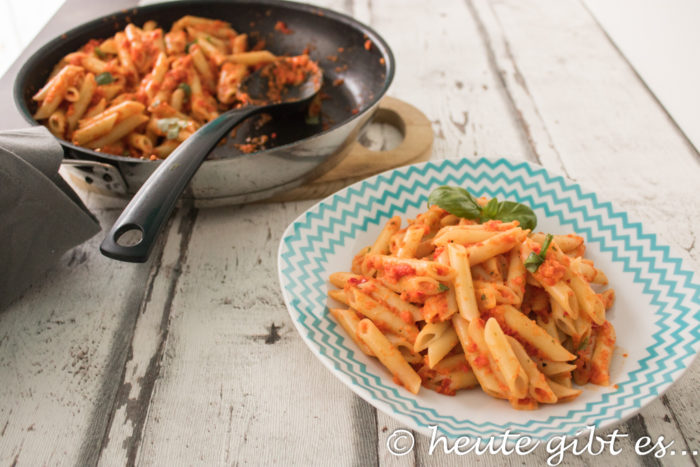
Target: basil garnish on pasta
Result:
[[535, 260], [104, 78], [461, 203]]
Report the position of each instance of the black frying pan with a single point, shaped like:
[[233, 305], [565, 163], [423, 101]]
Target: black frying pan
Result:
[[300, 151]]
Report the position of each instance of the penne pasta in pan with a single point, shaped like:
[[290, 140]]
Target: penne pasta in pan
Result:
[[145, 83]]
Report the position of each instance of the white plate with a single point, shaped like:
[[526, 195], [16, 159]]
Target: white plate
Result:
[[656, 313]]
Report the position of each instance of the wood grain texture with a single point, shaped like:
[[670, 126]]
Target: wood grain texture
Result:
[[234, 374], [62, 347]]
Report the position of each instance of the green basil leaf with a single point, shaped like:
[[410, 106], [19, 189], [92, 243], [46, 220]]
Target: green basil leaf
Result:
[[533, 262], [455, 200], [185, 87], [100, 53], [104, 78], [545, 246], [442, 287], [512, 211], [490, 211]]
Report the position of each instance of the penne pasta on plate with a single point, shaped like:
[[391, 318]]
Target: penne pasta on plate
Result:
[[466, 296]]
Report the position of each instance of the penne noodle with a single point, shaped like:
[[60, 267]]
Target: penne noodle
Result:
[[251, 58], [550, 368], [429, 334], [202, 67], [177, 98], [123, 110], [584, 350], [72, 94], [57, 123], [399, 267], [93, 64], [406, 311], [491, 269], [164, 149], [479, 273], [149, 25], [124, 54], [587, 299], [500, 292], [485, 299], [496, 245], [405, 347], [96, 109], [108, 46], [495, 385], [530, 332], [608, 298], [118, 131], [87, 89], [341, 279], [411, 240], [390, 357], [566, 243], [562, 320], [478, 362], [239, 44], [52, 94], [457, 234], [547, 323], [464, 288], [513, 373], [517, 275], [442, 346], [380, 314], [538, 388], [381, 245], [563, 393], [588, 272], [94, 130], [602, 355], [349, 320], [339, 296], [141, 143]]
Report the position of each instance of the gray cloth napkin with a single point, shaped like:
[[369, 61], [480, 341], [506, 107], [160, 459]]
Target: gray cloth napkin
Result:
[[41, 215]]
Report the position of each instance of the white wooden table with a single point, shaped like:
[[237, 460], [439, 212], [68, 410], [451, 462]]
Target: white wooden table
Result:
[[192, 358]]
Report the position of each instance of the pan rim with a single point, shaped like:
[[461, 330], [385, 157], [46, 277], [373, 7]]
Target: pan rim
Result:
[[38, 56]]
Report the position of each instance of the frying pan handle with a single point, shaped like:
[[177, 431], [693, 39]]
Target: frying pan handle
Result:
[[416, 145], [151, 206]]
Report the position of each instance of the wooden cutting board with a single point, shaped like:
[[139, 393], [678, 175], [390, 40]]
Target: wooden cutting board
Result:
[[360, 162]]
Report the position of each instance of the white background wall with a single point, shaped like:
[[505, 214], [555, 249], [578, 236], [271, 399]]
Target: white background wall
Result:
[[661, 39], [20, 21]]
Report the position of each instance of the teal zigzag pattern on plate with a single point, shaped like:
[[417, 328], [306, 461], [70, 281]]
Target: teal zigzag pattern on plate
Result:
[[338, 219]]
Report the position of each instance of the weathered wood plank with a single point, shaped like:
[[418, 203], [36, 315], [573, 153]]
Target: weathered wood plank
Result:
[[609, 131], [443, 70], [236, 382], [129, 409], [62, 348]]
